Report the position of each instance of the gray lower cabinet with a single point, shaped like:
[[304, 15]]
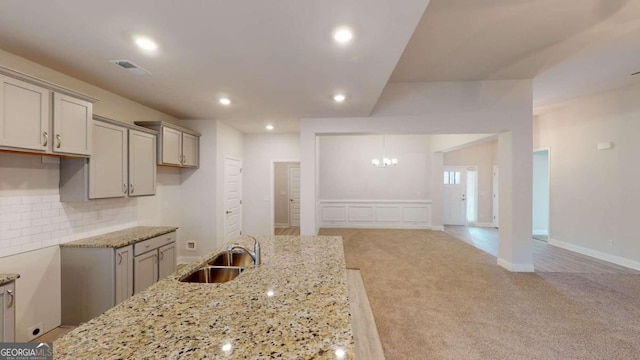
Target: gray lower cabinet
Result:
[[154, 259], [146, 270], [124, 273], [94, 280], [167, 260], [8, 312]]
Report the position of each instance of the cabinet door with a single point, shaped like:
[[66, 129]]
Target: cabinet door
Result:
[[124, 273], [24, 115], [71, 125], [171, 146], [145, 271], [190, 151], [142, 163], [7, 312], [108, 162], [167, 255]]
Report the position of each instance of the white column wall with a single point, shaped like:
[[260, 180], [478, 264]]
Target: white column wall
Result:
[[505, 108]]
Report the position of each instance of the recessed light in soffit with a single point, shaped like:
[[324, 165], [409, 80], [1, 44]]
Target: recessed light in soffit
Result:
[[343, 35], [146, 44], [131, 67]]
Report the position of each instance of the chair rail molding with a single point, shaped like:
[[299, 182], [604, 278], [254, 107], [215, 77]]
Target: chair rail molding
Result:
[[384, 214]]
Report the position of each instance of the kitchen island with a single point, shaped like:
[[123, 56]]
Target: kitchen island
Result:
[[294, 305]]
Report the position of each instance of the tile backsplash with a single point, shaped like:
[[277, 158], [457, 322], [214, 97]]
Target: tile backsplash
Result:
[[33, 222]]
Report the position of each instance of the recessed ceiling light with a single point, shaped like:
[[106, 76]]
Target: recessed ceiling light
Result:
[[343, 35], [269, 127], [224, 101], [146, 44], [339, 98]]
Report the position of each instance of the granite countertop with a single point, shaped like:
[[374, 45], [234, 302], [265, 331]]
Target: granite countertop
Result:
[[7, 278], [121, 238], [294, 305]]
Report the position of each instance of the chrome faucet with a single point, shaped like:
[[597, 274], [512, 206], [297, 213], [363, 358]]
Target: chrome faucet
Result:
[[255, 254]]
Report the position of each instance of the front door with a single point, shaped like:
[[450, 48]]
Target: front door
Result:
[[232, 198], [454, 199], [294, 195]]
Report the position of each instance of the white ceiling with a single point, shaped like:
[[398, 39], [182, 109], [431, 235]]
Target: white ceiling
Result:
[[277, 61], [569, 47]]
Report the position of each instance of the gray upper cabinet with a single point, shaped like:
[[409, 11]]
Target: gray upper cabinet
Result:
[[142, 163], [40, 117], [190, 150], [177, 146], [171, 147], [123, 164], [108, 165], [24, 115], [71, 125]]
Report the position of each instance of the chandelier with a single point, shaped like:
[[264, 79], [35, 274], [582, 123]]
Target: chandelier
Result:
[[385, 160]]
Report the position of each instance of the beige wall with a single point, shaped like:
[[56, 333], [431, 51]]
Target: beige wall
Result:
[[594, 194], [484, 157], [38, 289]]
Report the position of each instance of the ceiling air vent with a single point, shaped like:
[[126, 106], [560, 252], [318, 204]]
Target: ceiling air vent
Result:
[[131, 67]]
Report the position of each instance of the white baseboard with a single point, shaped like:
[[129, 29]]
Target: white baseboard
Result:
[[540, 232], [281, 225], [515, 267], [632, 264], [187, 259], [437, 228], [482, 224]]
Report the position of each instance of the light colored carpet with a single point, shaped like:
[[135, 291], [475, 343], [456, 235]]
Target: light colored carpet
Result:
[[435, 297]]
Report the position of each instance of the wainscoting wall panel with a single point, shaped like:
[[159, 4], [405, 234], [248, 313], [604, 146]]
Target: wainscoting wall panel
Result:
[[389, 214]]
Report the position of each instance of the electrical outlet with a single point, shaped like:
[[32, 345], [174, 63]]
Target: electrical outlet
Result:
[[191, 245], [610, 242], [34, 331]]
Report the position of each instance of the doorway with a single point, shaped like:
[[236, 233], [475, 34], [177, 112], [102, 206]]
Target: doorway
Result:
[[541, 198], [232, 198], [286, 195], [455, 196]]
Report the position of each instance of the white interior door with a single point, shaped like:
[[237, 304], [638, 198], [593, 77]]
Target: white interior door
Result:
[[496, 199], [232, 198], [455, 205], [294, 195]]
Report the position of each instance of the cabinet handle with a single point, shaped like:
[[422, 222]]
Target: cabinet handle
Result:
[[161, 255], [228, 212], [10, 292], [119, 258], [131, 187], [155, 258], [46, 138], [124, 188], [59, 138]]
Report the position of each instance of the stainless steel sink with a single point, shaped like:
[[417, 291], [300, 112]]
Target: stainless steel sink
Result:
[[213, 274], [232, 258]]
